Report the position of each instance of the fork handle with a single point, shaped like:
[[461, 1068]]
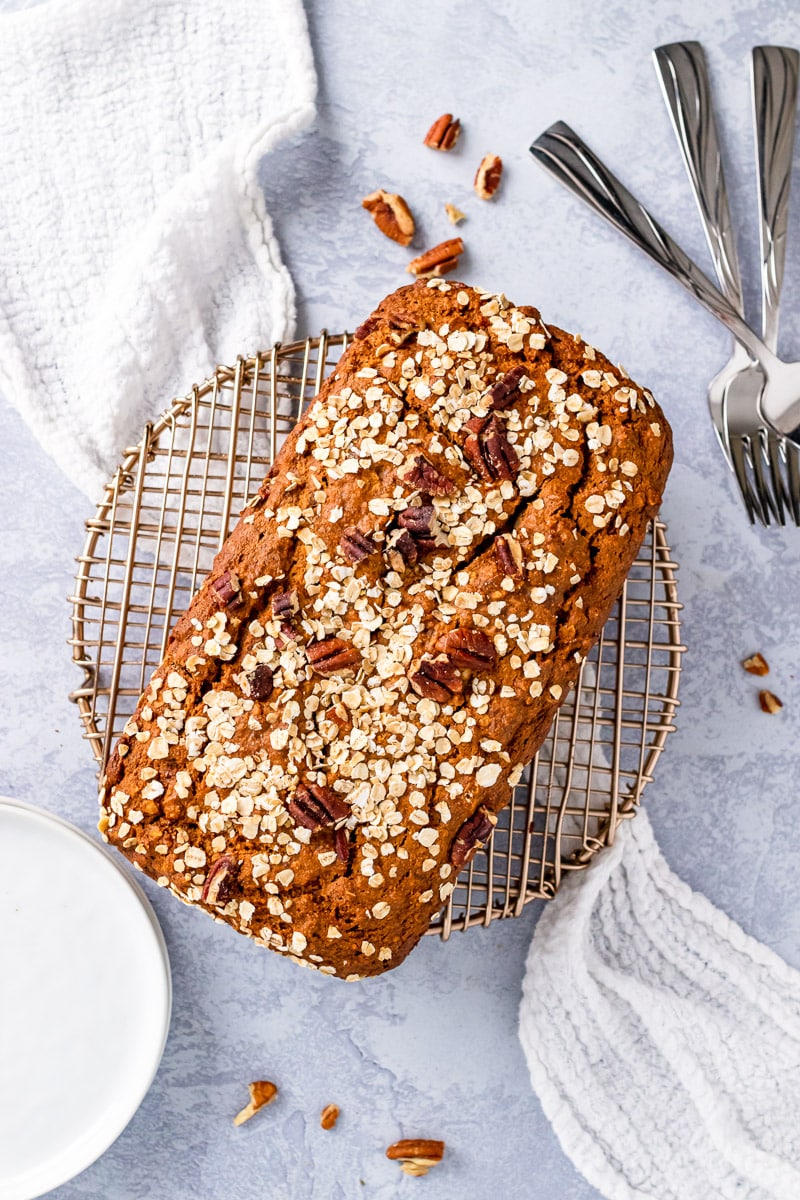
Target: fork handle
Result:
[[569, 159], [682, 72], [774, 79]]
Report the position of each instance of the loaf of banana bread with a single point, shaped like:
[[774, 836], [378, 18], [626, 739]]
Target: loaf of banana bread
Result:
[[388, 631]]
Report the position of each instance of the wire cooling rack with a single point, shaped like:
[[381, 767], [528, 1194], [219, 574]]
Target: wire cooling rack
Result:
[[171, 504]]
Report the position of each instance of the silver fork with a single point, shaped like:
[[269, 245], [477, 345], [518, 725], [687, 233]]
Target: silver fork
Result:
[[734, 392], [569, 159], [682, 72], [774, 85]]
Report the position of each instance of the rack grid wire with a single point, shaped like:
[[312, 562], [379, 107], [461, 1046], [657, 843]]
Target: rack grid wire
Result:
[[169, 507]]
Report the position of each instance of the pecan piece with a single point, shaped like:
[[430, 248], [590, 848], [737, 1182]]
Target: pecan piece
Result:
[[416, 521], [472, 836], [438, 260], [416, 1155], [329, 1116], [443, 133], [756, 664], [504, 392], [454, 215], [400, 320], [356, 545], [769, 702], [416, 518], [476, 424], [473, 452], [287, 634], [505, 554], [403, 325], [491, 453], [424, 476], [407, 548], [262, 1093], [469, 648], [488, 175], [391, 214], [313, 806], [260, 682], [285, 604], [227, 587], [437, 679], [220, 881], [342, 844], [499, 453], [332, 655], [366, 329]]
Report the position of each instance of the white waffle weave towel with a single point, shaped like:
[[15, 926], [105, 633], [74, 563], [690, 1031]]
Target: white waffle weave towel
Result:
[[135, 249], [662, 1040]]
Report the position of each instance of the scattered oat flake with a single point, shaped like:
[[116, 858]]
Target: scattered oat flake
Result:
[[769, 702], [454, 215], [756, 664]]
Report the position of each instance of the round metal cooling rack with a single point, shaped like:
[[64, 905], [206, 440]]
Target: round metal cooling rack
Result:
[[170, 506]]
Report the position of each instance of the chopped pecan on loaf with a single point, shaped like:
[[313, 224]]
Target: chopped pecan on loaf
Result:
[[388, 631]]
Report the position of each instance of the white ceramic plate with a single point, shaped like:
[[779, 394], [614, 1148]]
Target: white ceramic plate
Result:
[[85, 1000]]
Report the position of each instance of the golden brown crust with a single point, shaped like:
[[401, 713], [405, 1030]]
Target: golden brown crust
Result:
[[387, 633]]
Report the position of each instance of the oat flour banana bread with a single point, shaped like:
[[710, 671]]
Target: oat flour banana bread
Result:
[[386, 634]]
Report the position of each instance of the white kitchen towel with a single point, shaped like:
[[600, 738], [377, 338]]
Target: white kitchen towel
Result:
[[135, 248], [662, 1040]]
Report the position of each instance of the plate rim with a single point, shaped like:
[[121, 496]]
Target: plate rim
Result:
[[9, 1189]]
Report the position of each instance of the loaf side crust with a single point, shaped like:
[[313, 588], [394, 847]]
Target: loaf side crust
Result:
[[387, 633]]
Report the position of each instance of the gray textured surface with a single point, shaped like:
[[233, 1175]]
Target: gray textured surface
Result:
[[432, 1048]]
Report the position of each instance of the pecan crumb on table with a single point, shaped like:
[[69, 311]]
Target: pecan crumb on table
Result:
[[443, 133], [439, 260], [488, 176], [262, 1093], [416, 1155], [391, 214], [329, 1116]]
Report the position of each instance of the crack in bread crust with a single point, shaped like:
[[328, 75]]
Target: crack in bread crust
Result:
[[303, 760]]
